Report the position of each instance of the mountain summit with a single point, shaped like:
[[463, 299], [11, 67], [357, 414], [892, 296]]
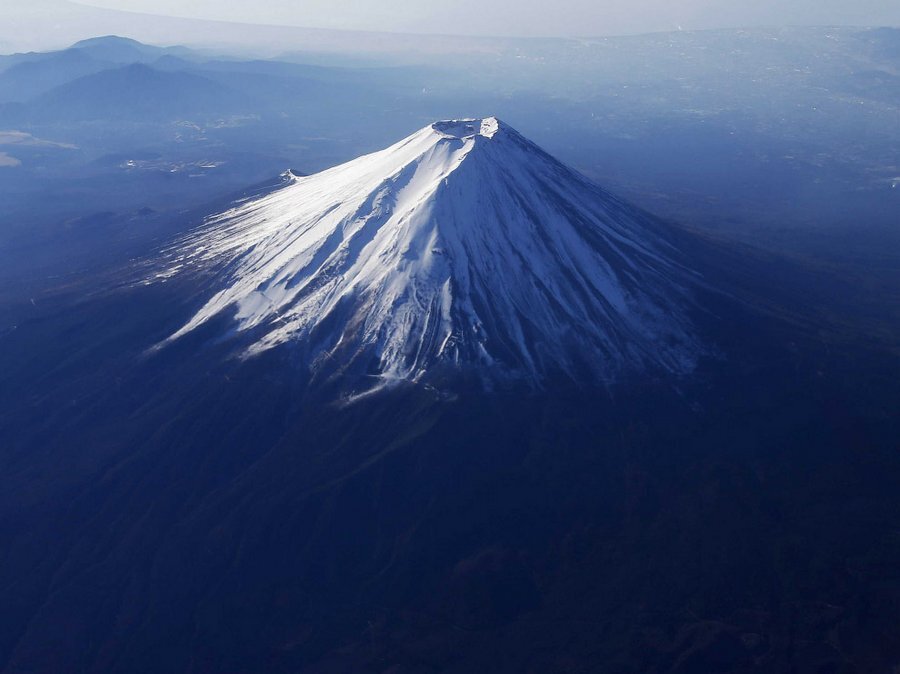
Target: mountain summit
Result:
[[463, 247]]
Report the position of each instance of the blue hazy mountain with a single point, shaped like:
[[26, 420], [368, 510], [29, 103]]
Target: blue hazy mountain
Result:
[[28, 79], [26, 76], [135, 92], [121, 50]]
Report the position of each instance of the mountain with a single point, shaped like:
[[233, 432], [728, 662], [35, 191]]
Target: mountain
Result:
[[183, 510], [123, 50], [463, 247], [27, 79], [24, 76], [135, 92]]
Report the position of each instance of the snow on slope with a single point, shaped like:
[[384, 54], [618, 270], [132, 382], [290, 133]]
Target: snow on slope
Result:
[[463, 246]]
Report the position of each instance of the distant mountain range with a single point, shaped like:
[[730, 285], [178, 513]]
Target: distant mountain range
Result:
[[137, 92], [24, 76]]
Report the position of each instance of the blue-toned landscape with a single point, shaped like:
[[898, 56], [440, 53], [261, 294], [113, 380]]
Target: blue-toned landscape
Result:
[[337, 351]]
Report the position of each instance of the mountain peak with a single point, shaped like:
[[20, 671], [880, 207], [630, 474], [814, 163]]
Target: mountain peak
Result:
[[107, 40], [469, 128], [116, 49], [412, 261]]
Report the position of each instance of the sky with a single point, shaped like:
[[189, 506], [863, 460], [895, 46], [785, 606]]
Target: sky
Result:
[[45, 24], [526, 17]]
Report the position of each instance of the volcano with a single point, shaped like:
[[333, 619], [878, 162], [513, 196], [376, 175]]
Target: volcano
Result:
[[183, 489], [462, 248]]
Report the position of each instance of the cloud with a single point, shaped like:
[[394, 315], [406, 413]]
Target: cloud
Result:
[[26, 139], [7, 161]]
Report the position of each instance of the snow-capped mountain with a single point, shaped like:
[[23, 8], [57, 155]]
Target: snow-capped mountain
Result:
[[463, 246]]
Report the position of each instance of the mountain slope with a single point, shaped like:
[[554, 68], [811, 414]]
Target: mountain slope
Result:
[[24, 76], [25, 80], [462, 247], [135, 92]]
